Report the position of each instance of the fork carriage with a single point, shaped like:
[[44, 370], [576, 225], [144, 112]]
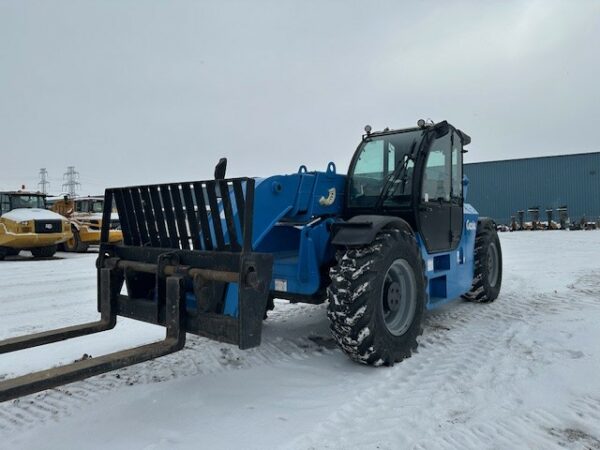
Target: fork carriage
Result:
[[185, 245]]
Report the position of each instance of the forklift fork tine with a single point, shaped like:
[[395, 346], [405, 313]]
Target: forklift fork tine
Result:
[[107, 321], [57, 376]]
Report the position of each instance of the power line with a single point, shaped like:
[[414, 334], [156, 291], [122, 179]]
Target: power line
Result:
[[71, 181], [44, 180]]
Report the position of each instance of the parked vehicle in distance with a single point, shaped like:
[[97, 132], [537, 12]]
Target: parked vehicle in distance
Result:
[[85, 215], [26, 224]]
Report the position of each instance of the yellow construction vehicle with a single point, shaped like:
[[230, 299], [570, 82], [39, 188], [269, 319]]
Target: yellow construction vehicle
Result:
[[85, 216], [25, 224]]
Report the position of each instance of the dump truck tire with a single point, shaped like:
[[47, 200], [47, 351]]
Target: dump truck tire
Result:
[[75, 244], [487, 278], [7, 251], [270, 306], [377, 299], [44, 252]]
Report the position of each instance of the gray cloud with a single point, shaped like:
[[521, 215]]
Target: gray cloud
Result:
[[137, 92]]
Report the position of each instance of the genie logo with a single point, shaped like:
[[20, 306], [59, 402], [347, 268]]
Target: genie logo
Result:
[[471, 226], [328, 201]]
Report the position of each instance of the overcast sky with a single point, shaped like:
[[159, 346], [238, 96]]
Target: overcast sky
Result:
[[138, 92]]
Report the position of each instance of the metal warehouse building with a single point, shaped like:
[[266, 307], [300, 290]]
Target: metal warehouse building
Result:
[[499, 189]]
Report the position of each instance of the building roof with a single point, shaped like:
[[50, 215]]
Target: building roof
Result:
[[528, 158]]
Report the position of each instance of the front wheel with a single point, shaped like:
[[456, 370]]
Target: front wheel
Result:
[[377, 299], [487, 278], [44, 252], [7, 251]]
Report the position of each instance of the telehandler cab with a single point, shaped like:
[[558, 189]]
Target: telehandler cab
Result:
[[389, 240]]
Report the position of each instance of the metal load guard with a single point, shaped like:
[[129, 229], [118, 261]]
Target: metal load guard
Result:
[[185, 245]]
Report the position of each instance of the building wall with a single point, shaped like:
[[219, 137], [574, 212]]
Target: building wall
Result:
[[499, 189]]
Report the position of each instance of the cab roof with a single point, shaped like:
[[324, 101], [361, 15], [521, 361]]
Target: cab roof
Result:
[[37, 193], [466, 139]]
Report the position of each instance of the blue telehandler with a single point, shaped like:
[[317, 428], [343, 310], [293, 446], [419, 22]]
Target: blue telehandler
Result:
[[391, 239]]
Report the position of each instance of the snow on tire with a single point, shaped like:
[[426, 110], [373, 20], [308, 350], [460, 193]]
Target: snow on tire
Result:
[[377, 299], [487, 278]]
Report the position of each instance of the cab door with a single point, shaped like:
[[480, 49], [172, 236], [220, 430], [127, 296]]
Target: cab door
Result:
[[456, 195], [435, 203], [4, 204]]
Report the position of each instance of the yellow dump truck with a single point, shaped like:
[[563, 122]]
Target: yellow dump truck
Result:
[[85, 216], [25, 224]]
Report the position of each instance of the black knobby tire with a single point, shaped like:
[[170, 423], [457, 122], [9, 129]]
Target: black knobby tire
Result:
[[270, 306], [359, 299], [487, 279], [7, 251], [44, 252], [75, 244]]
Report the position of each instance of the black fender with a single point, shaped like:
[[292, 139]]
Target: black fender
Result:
[[483, 222], [361, 230]]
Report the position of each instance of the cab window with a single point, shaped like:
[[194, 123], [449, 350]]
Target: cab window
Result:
[[97, 206], [436, 177], [27, 201], [81, 206], [372, 167], [380, 157], [370, 161], [456, 167]]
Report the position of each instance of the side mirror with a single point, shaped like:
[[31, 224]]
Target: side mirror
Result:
[[220, 169], [466, 139]]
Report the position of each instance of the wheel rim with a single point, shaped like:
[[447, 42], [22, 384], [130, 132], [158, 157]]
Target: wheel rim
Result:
[[399, 297], [493, 266]]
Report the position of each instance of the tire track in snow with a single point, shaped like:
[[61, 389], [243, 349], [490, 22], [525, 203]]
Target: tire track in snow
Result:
[[453, 366], [478, 333], [199, 357]]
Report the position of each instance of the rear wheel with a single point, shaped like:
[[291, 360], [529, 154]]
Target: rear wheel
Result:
[[487, 278], [74, 244], [377, 299], [44, 252]]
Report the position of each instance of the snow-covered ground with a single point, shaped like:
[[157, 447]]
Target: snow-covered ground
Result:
[[522, 372]]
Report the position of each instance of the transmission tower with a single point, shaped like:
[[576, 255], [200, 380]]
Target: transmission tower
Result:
[[44, 181], [71, 181]]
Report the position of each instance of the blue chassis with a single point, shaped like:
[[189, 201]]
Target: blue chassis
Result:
[[292, 220]]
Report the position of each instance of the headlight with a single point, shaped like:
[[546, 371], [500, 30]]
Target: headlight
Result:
[[24, 223]]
